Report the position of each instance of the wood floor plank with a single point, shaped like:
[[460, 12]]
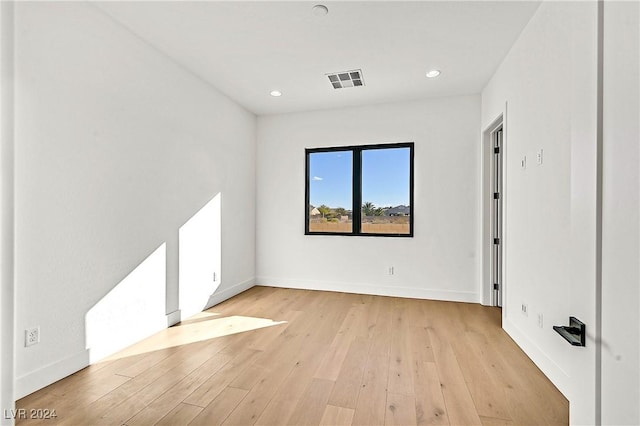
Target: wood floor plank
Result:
[[311, 406], [182, 414], [248, 378], [514, 371], [82, 380], [252, 406], [140, 400], [488, 421], [260, 338], [372, 398], [281, 407], [430, 406], [480, 382], [401, 410], [400, 358], [174, 367], [332, 362], [337, 416], [288, 344], [460, 407], [125, 367], [420, 344], [64, 409], [336, 359], [162, 405], [220, 408], [347, 386], [522, 413], [381, 331], [211, 388]]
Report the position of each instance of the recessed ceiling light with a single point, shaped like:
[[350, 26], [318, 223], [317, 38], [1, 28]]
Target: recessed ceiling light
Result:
[[276, 93], [320, 10], [433, 73]]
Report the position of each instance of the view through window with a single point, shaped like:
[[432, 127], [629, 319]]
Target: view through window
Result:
[[377, 178]]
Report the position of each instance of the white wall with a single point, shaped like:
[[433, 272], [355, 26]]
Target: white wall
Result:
[[117, 147], [621, 216], [546, 86], [199, 248], [441, 261], [6, 213]]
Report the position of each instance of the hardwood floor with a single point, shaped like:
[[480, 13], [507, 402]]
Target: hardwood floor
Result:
[[277, 356]]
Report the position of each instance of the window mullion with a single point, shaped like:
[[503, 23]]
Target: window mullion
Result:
[[357, 191]]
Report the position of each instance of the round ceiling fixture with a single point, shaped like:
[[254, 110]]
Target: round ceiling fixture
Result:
[[433, 73], [320, 10], [276, 93]]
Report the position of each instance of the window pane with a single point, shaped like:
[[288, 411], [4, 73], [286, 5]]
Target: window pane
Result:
[[330, 191], [385, 191]]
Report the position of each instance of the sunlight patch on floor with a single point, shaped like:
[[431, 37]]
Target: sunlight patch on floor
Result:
[[196, 329]]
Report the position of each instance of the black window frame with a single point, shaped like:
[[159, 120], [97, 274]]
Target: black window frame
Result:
[[356, 194]]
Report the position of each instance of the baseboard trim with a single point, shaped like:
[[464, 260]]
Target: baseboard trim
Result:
[[228, 293], [376, 290], [549, 367], [51, 373], [173, 317]]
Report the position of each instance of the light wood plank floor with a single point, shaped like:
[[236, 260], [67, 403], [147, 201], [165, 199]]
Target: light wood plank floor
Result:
[[279, 356]]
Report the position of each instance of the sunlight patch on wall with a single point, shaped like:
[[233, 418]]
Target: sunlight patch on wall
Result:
[[131, 311], [200, 258]]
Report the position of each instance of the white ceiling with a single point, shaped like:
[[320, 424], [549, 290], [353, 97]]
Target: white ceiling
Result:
[[248, 49]]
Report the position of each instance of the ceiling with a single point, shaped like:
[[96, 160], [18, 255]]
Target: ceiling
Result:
[[248, 49]]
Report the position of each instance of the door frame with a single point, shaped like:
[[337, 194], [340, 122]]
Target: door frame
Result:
[[7, 229], [488, 297]]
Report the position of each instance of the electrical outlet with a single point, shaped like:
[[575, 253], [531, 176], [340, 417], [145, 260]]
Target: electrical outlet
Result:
[[214, 277], [523, 163], [539, 157], [391, 271], [525, 309], [31, 336], [540, 321]]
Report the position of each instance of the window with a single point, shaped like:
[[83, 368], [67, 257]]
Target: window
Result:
[[376, 178]]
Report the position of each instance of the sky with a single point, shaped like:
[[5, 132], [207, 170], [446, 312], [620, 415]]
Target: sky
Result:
[[385, 177]]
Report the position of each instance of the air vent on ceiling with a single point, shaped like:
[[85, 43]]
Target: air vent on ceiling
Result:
[[340, 80]]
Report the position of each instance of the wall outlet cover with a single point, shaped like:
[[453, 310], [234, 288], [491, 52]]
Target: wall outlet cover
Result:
[[540, 321], [31, 336]]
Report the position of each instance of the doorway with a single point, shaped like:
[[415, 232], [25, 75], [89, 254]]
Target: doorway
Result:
[[493, 217], [496, 216]]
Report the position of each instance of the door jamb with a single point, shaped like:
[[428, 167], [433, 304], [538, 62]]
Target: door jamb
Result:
[[486, 191]]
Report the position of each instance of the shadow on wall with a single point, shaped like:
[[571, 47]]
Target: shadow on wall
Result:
[[137, 307]]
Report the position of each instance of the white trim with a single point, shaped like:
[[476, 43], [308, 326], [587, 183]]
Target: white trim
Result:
[[228, 293], [505, 197], [51, 373], [173, 317], [7, 212], [373, 289], [486, 209]]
